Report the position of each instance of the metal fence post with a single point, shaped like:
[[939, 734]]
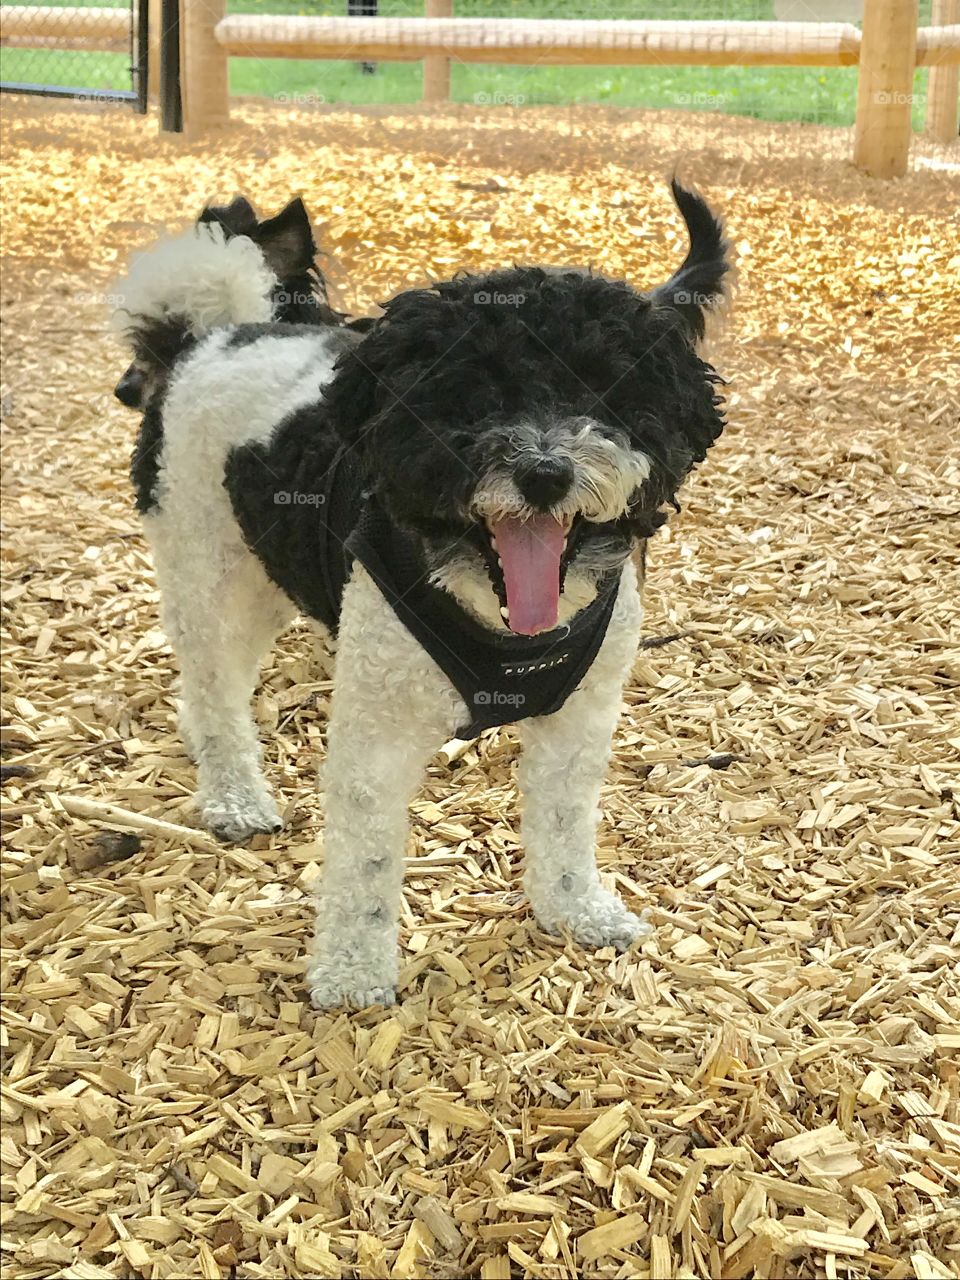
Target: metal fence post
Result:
[[171, 107]]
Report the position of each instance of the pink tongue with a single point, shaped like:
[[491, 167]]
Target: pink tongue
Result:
[[531, 551]]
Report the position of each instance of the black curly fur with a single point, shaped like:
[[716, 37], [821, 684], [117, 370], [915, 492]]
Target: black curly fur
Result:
[[288, 245], [342, 337], [304, 431], [435, 385], [699, 283], [298, 522], [161, 342], [145, 462]]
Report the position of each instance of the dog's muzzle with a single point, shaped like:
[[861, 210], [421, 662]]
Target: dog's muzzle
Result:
[[129, 390], [546, 480]]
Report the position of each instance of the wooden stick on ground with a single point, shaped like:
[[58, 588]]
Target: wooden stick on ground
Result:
[[96, 811]]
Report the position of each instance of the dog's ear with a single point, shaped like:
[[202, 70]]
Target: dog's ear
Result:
[[238, 218], [361, 324], [287, 241], [698, 286]]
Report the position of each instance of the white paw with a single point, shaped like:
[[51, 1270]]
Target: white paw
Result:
[[235, 815], [324, 996], [357, 982], [189, 745], [599, 920]]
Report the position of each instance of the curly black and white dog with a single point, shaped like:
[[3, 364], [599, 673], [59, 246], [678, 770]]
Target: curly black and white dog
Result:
[[299, 294], [460, 505]]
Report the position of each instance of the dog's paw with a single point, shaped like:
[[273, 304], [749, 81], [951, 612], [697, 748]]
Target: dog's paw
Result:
[[236, 816], [337, 980], [323, 996], [189, 743], [601, 920]]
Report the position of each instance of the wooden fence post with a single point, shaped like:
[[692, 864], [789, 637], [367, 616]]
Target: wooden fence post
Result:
[[436, 69], [943, 82], [154, 20], [888, 52], [206, 90]]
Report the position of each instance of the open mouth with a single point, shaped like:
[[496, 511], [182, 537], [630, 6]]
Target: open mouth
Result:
[[527, 558]]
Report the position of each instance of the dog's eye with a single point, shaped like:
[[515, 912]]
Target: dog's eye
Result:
[[461, 440]]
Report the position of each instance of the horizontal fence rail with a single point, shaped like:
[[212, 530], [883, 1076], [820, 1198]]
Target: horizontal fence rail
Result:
[[45, 22], [938, 45], [77, 44], [554, 42], [504, 40]]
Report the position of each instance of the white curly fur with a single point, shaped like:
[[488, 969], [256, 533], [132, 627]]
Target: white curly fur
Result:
[[392, 709], [220, 609], [564, 761], [606, 475], [199, 276]]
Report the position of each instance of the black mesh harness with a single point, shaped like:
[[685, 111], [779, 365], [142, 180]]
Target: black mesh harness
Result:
[[502, 677]]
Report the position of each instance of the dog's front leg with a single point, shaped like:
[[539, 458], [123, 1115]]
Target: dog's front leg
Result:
[[564, 762], [392, 709]]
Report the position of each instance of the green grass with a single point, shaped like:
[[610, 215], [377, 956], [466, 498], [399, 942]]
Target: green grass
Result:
[[826, 96], [818, 95], [66, 68]]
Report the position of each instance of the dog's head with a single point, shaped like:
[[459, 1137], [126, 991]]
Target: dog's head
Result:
[[290, 251], [286, 248], [531, 425]]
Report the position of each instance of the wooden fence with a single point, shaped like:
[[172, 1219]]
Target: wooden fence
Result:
[[888, 50]]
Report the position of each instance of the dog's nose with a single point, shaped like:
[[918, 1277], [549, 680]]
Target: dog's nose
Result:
[[129, 390], [546, 481]]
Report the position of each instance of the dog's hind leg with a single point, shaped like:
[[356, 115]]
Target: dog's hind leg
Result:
[[392, 709], [565, 758], [221, 613]]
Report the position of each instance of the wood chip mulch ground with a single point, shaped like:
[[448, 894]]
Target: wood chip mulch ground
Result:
[[769, 1086]]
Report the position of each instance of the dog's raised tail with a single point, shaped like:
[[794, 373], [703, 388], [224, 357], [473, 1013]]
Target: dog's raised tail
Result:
[[698, 286], [188, 285]]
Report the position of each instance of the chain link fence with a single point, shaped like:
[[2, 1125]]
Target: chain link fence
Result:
[[75, 49]]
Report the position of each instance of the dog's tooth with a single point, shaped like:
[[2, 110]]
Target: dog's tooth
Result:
[[493, 542], [504, 613], [499, 562]]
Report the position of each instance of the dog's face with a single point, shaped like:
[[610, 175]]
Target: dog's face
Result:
[[529, 426]]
